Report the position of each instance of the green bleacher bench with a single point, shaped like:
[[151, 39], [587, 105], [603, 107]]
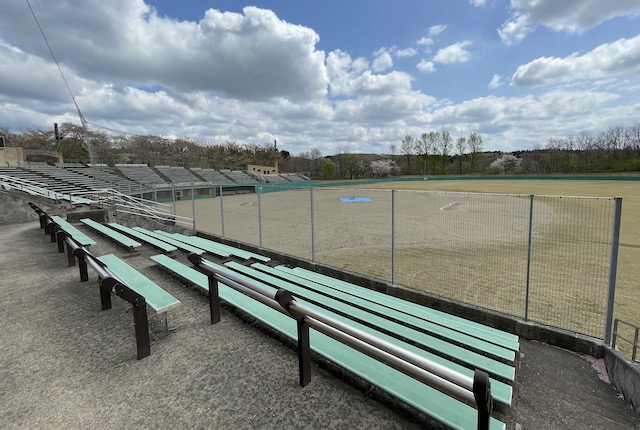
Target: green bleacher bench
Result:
[[424, 398], [120, 238], [77, 235], [220, 248], [489, 334], [163, 235], [485, 340], [155, 242], [157, 298], [154, 296], [436, 349]]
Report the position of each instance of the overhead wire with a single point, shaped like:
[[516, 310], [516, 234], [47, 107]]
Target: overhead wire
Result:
[[82, 119]]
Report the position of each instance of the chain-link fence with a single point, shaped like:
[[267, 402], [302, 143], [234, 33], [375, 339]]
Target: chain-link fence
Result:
[[543, 258]]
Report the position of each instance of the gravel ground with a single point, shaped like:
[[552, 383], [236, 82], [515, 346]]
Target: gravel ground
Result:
[[67, 365]]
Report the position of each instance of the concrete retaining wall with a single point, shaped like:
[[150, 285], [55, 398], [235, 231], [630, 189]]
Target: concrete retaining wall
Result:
[[624, 375]]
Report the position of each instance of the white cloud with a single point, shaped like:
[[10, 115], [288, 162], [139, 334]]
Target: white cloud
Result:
[[405, 53], [456, 53], [426, 66], [249, 55], [496, 81], [610, 59], [570, 16], [111, 51], [434, 30], [382, 60], [428, 40], [527, 120], [478, 3], [425, 41]]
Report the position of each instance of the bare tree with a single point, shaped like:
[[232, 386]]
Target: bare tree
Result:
[[444, 145], [476, 148], [461, 147], [426, 145], [408, 149]]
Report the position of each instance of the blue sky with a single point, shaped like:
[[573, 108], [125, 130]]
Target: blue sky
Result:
[[339, 76]]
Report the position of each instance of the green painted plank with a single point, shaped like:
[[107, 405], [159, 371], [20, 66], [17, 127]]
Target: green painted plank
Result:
[[157, 298], [502, 392], [76, 234], [439, 406], [472, 359], [164, 246], [221, 247], [118, 237], [500, 337], [193, 240], [170, 240], [405, 319]]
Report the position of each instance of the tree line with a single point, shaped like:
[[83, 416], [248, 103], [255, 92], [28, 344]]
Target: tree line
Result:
[[86, 146], [616, 149]]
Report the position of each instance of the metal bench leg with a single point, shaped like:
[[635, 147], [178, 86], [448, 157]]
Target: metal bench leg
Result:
[[214, 300], [60, 235], [71, 259], [284, 298], [304, 354], [105, 294], [484, 399], [165, 322]]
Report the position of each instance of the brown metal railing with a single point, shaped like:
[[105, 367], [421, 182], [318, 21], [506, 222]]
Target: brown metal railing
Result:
[[634, 343]]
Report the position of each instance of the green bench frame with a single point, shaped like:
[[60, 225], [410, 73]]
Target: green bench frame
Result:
[[131, 285]]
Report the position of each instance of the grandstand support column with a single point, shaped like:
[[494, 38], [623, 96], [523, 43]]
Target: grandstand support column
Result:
[[221, 212], [313, 235], [141, 192], [155, 193], [258, 188], [193, 208], [528, 280], [393, 237], [613, 269]]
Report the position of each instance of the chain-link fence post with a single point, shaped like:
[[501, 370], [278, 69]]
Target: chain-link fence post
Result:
[[221, 212], [393, 237], [613, 269], [173, 199], [528, 280], [193, 207], [313, 236], [258, 188]]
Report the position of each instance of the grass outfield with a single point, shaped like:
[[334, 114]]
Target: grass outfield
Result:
[[627, 303]]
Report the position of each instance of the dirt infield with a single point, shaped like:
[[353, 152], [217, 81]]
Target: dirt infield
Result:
[[469, 247]]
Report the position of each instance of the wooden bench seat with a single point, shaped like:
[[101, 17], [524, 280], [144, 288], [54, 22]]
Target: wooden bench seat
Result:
[[435, 404], [150, 240], [220, 248], [166, 237], [157, 298], [117, 237], [72, 231]]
